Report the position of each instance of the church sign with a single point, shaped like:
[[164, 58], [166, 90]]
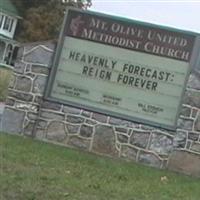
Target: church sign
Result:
[[123, 68]]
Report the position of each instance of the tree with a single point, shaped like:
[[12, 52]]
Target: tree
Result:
[[42, 19], [84, 4]]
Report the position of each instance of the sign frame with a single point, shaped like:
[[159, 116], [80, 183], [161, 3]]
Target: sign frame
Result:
[[57, 55]]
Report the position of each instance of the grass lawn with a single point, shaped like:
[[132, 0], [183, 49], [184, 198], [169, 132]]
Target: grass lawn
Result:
[[32, 170]]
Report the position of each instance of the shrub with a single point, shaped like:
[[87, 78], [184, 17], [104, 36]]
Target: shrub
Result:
[[4, 81]]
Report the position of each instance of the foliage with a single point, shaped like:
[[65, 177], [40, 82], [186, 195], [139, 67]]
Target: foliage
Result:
[[35, 170], [42, 19], [4, 81], [42, 23]]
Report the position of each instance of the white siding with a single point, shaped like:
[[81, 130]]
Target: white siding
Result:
[[8, 25]]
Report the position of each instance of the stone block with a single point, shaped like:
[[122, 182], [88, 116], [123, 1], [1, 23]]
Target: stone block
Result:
[[185, 124], [86, 113], [23, 83], [195, 147], [86, 131], [197, 123], [79, 143], [19, 67], [130, 132], [193, 136], [56, 131], [12, 81], [71, 110], [130, 153], [40, 69], [40, 134], [185, 111], [120, 122], [149, 159], [26, 106], [32, 115], [50, 45], [39, 55], [99, 117], [38, 99], [194, 81], [10, 102], [90, 122], [74, 119], [47, 45], [21, 96], [194, 113], [28, 69], [185, 162], [28, 130], [50, 105], [30, 75], [140, 138], [26, 122], [73, 129], [161, 144], [121, 130], [188, 144], [12, 121], [121, 138], [41, 124], [147, 127], [115, 121], [192, 98], [179, 140], [39, 84], [52, 115], [104, 140]]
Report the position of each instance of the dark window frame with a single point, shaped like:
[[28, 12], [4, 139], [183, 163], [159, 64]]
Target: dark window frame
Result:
[[1, 20]]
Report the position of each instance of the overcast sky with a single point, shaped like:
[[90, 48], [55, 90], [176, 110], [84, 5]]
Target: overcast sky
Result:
[[180, 14]]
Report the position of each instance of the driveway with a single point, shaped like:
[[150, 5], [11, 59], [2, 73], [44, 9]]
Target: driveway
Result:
[[1, 112], [1, 107]]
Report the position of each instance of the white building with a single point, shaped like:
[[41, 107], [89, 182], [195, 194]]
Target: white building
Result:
[[8, 21]]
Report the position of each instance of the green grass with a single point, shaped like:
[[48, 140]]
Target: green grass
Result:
[[4, 81], [32, 170]]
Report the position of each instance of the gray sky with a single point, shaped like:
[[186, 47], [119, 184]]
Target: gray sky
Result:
[[180, 14]]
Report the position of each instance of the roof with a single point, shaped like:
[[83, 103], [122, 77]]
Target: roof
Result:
[[7, 7]]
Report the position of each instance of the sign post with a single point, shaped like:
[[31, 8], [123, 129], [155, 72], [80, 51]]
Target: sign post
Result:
[[120, 67]]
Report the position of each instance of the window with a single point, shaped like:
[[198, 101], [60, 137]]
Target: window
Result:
[[14, 55], [8, 56], [1, 20], [8, 24], [11, 54], [11, 24]]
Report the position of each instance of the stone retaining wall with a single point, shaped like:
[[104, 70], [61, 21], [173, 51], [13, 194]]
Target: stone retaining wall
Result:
[[27, 113]]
